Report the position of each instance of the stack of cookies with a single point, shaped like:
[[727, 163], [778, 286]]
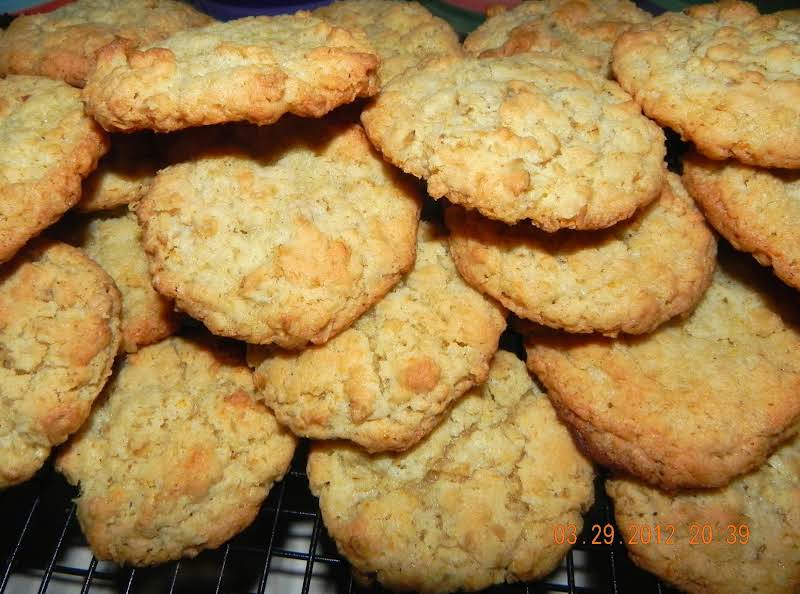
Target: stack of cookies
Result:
[[256, 177]]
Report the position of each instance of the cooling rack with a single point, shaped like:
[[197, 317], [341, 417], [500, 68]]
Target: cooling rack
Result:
[[285, 551]]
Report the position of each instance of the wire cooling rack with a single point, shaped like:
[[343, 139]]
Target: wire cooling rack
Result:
[[285, 551]]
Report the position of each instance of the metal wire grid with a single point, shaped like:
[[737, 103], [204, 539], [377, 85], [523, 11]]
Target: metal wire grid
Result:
[[39, 535]]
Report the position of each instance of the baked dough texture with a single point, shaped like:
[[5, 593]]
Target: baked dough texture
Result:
[[59, 334], [583, 30], [391, 377], [764, 502], [253, 69], [177, 457], [629, 278], [791, 15], [64, 43], [756, 209], [286, 235], [123, 176], [403, 33], [473, 504], [113, 240], [522, 137], [721, 75], [47, 146], [694, 404]]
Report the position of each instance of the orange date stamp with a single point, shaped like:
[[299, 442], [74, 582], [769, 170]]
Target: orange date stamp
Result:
[[649, 534]]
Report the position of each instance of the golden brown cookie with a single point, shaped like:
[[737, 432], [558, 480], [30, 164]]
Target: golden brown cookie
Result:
[[740, 539], [756, 209], [113, 240], [522, 137], [59, 334], [629, 278], [64, 43], [473, 504], [123, 176], [391, 377], [697, 402], [47, 146], [403, 33], [572, 29], [286, 235], [721, 75], [177, 457], [791, 15], [254, 69]]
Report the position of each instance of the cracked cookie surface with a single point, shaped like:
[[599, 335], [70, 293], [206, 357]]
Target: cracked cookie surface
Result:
[[285, 236], [253, 69], [660, 406], [386, 381], [629, 278], [583, 30], [63, 43], [760, 554], [122, 176], [522, 137], [47, 146], [59, 334], [178, 455], [471, 505], [403, 33], [722, 76], [755, 209], [114, 241]]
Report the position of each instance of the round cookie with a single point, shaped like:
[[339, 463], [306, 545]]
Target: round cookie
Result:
[[791, 15], [721, 75], [253, 69], [757, 210], [573, 29], [522, 137], [177, 457], [47, 146], [391, 377], [59, 334], [473, 504], [122, 176], [403, 33], [697, 402], [752, 524], [113, 240], [286, 236], [64, 43], [630, 278]]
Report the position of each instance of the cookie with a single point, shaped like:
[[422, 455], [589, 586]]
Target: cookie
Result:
[[755, 209], [722, 76], [522, 137], [123, 176], [59, 334], [473, 504], [403, 33], [391, 377], [572, 29], [47, 146], [113, 240], [177, 457], [694, 404], [285, 236], [64, 43], [630, 278], [791, 15], [747, 532], [254, 69]]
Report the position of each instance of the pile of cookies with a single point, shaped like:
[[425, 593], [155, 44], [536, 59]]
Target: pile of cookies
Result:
[[172, 188]]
